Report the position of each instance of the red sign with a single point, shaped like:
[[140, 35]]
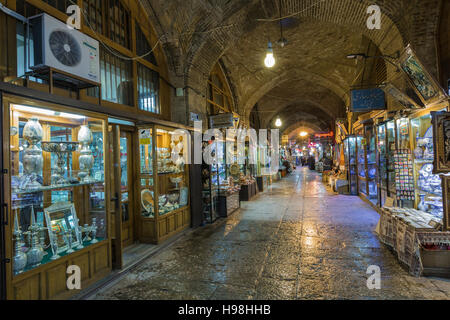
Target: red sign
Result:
[[324, 135]]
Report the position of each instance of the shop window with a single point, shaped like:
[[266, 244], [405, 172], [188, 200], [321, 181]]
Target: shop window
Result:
[[148, 89], [143, 47], [116, 79], [94, 14], [61, 5], [25, 9], [219, 95], [57, 184], [22, 53], [109, 18]]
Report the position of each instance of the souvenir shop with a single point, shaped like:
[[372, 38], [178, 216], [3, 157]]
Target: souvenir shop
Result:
[[76, 194], [396, 161]]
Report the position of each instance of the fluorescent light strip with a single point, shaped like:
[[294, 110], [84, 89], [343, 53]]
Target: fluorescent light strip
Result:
[[47, 112]]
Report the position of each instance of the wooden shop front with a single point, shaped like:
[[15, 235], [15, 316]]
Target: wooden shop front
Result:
[[64, 200], [64, 210]]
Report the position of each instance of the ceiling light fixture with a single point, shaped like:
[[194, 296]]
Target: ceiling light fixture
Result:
[[363, 56], [278, 122], [303, 134], [269, 61], [282, 42]]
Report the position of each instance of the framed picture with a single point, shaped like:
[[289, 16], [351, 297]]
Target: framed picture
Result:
[[446, 201], [61, 218], [401, 97], [423, 83], [441, 141]]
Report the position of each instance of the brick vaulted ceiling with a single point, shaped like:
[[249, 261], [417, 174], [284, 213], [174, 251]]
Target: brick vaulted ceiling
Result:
[[312, 77]]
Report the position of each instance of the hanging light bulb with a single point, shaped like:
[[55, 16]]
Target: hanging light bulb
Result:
[[303, 134], [269, 61], [278, 122]]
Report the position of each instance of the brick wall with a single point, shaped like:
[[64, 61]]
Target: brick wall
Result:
[[200, 32]]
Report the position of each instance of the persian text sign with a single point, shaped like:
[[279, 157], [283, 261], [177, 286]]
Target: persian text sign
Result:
[[224, 120], [367, 100]]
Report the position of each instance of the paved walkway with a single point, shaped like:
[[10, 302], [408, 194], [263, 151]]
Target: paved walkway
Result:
[[294, 241]]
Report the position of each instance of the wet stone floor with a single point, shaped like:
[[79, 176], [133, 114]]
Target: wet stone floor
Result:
[[296, 240]]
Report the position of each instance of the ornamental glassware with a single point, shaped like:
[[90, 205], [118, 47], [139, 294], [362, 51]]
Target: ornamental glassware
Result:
[[54, 239], [20, 258], [86, 159], [32, 155], [61, 149], [94, 230]]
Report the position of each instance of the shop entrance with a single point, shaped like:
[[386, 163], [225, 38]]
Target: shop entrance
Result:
[[126, 191], [122, 168]]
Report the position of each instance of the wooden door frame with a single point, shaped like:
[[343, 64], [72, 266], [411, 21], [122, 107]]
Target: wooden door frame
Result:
[[115, 192], [116, 188], [130, 179]]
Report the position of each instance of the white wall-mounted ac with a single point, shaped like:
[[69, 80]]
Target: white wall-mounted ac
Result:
[[58, 46]]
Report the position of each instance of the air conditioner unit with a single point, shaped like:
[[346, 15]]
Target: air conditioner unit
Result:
[[61, 47]]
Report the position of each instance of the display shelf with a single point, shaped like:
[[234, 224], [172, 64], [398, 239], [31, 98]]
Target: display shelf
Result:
[[427, 193], [420, 161], [367, 179], [170, 174], [56, 187], [49, 254]]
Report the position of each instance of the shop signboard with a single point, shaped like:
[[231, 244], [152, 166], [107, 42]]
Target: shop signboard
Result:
[[223, 120], [363, 100], [426, 87], [145, 136], [400, 96]]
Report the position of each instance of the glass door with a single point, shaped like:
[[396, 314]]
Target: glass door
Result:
[[371, 163], [122, 187], [350, 154], [391, 147], [126, 190], [382, 163]]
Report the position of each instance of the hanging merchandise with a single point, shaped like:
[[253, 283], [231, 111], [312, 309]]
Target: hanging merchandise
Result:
[[404, 178]]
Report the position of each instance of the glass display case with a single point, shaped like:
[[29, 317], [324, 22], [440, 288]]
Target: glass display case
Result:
[[428, 187], [391, 146], [371, 163], [361, 168], [351, 164], [164, 182], [56, 186], [210, 182], [404, 143], [382, 163]]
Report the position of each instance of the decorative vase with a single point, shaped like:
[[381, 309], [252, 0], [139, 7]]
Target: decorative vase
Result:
[[418, 153], [69, 241], [86, 159], [79, 234], [94, 230], [422, 206], [32, 155], [20, 257], [54, 246], [35, 254]]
